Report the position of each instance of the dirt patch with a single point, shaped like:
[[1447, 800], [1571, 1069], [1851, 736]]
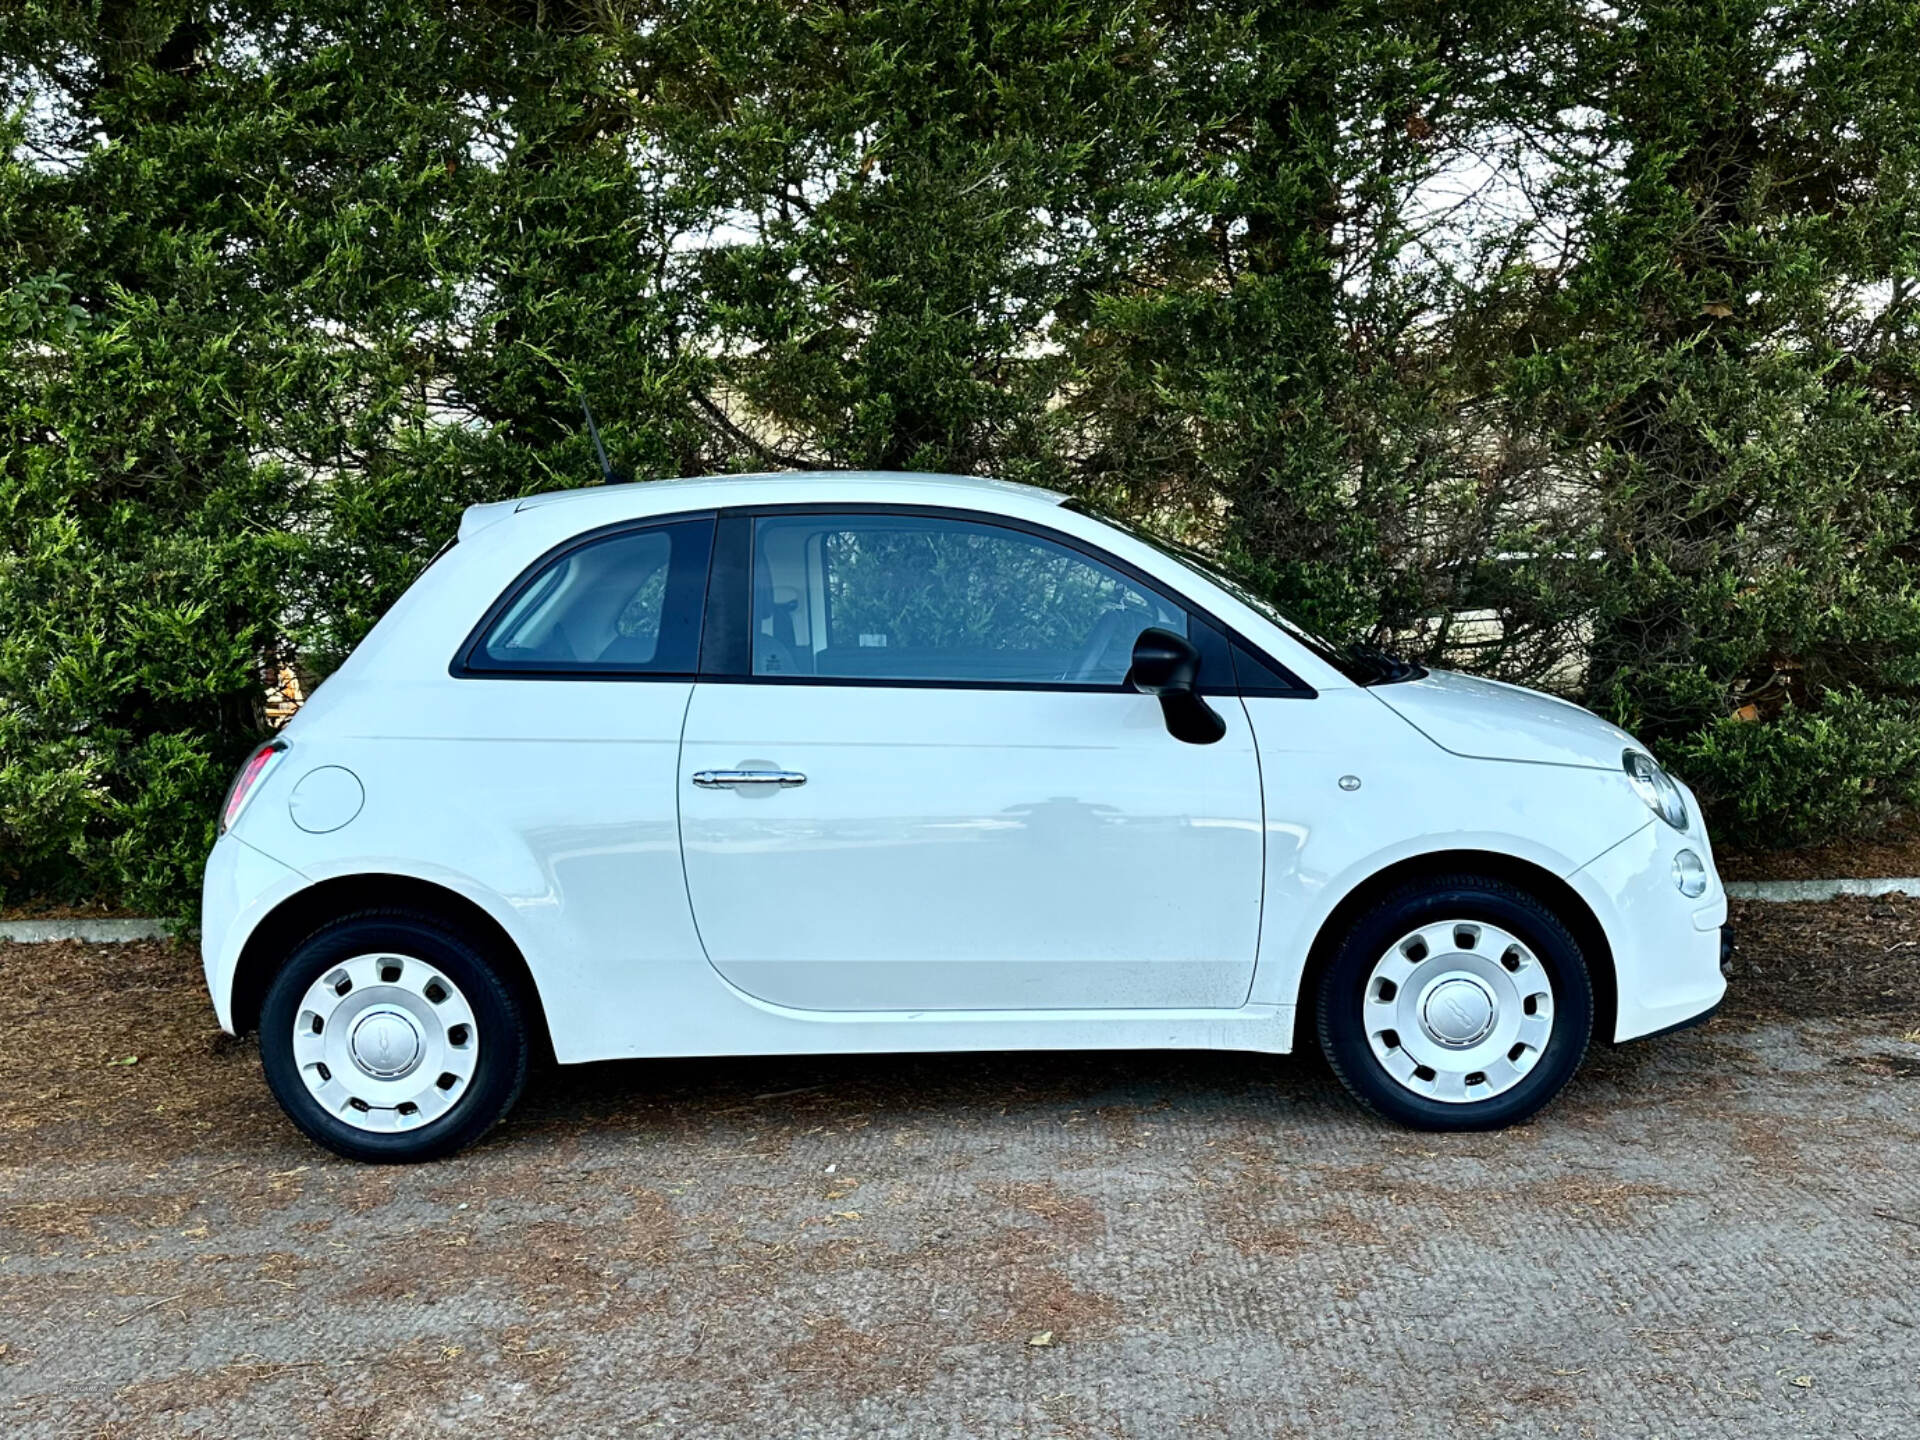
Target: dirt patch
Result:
[[1856, 956], [1043, 1304], [419, 1372], [854, 1364], [1892, 1067], [1341, 1229], [1889, 852], [1073, 1216], [115, 1046], [1609, 1202]]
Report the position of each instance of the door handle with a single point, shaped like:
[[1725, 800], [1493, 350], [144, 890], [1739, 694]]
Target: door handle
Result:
[[729, 779]]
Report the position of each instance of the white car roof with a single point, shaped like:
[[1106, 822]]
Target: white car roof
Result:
[[595, 504]]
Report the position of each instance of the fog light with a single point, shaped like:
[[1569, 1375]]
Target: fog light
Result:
[[1690, 874]]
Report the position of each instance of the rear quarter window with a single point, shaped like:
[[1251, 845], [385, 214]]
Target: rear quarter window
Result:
[[624, 603]]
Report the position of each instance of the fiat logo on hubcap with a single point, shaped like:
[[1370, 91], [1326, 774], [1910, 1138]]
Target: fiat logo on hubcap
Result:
[[1459, 1012], [386, 1043]]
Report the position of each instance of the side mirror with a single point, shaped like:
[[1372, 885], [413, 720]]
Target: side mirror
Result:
[[1165, 666]]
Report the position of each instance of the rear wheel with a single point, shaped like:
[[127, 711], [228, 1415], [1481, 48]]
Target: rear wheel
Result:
[[1457, 1003], [388, 1036]]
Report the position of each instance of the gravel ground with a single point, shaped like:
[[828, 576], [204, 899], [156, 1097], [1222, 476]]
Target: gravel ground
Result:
[[1714, 1233]]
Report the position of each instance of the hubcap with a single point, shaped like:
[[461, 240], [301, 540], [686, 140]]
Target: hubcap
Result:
[[1458, 1011], [385, 1042]]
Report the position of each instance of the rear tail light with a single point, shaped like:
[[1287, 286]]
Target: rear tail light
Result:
[[248, 780]]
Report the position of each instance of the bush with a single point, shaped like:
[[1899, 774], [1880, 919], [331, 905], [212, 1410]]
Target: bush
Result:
[[1808, 776]]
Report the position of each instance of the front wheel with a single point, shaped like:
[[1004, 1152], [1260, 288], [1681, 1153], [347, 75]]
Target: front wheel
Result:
[[1457, 1003], [388, 1036]]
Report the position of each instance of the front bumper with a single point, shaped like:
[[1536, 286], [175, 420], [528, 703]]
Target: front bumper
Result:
[[1667, 949], [1726, 958]]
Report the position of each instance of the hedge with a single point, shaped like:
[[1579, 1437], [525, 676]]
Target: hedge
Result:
[[1571, 347]]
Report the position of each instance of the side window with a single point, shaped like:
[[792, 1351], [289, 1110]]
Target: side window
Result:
[[879, 597], [626, 604]]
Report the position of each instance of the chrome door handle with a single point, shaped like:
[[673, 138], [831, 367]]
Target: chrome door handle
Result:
[[727, 779]]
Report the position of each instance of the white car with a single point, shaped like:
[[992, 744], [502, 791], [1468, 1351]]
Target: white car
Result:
[[833, 763]]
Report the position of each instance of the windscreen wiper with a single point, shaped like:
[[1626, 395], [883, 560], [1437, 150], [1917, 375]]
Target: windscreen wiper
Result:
[[1382, 668]]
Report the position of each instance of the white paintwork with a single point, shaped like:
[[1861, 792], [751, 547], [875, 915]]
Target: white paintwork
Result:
[[964, 869], [1672, 944], [972, 850], [1488, 720]]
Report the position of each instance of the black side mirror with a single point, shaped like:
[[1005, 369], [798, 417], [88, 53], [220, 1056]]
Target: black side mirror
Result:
[[1165, 666]]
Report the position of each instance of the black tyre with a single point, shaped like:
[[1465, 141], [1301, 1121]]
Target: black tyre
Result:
[[389, 1036], [1456, 1003]]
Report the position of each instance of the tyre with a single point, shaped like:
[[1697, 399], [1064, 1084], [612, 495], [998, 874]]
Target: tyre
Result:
[[1457, 1003], [388, 1036]]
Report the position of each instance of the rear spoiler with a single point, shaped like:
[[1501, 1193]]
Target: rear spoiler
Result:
[[479, 517]]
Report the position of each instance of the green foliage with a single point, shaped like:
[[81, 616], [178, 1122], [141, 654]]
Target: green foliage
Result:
[[1808, 776], [283, 289]]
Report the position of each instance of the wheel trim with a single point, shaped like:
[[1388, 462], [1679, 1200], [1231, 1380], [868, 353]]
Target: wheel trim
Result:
[[385, 1042], [1422, 1011]]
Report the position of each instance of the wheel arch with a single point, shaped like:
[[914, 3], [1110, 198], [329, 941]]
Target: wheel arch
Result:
[[306, 910], [1550, 889]]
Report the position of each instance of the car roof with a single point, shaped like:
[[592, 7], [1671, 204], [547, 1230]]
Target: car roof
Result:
[[597, 503]]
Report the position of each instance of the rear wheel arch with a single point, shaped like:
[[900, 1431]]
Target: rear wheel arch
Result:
[[1546, 887], [283, 928]]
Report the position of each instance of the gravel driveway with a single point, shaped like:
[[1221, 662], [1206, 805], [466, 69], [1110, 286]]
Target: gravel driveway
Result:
[[1715, 1233]]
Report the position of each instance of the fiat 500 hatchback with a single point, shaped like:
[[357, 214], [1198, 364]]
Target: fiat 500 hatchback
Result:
[[836, 763]]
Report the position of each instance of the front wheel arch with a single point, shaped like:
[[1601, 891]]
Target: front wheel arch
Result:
[[1546, 887], [279, 931]]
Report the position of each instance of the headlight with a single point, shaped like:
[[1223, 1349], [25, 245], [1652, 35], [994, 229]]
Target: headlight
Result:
[[1656, 787]]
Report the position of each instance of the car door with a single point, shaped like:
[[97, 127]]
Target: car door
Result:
[[914, 778]]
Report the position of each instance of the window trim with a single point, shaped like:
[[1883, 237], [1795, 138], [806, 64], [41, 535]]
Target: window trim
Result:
[[462, 666], [726, 657]]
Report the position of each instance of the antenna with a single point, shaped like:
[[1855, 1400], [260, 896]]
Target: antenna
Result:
[[606, 466]]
